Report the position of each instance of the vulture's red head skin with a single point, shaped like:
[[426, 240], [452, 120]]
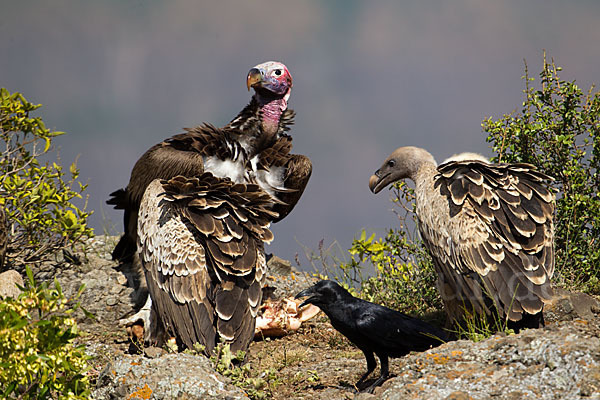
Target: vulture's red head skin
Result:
[[270, 79]]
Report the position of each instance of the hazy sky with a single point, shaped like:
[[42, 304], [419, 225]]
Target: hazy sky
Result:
[[369, 76]]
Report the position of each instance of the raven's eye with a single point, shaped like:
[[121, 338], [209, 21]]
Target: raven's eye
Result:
[[391, 163]]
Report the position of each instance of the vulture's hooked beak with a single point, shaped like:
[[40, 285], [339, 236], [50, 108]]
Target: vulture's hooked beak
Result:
[[255, 76], [306, 293], [378, 182]]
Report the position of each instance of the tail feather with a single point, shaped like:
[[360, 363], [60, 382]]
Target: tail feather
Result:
[[118, 198]]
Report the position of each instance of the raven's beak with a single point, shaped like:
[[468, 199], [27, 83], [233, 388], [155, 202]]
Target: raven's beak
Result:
[[305, 293], [255, 76]]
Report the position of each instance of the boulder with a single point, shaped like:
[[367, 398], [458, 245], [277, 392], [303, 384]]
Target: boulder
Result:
[[171, 376], [8, 284]]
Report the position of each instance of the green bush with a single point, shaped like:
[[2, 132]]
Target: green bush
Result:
[[38, 200], [404, 280], [404, 277], [38, 359], [558, 130]]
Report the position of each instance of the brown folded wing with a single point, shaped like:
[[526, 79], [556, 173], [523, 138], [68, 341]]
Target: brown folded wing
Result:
[[297, 170], [201, 245], [502, 236], [179, 155]]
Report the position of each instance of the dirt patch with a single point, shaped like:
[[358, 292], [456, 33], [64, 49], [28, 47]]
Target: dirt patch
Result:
[[314, 362]]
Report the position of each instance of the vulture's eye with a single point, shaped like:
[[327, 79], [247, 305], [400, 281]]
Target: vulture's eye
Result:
[[391, 163], [278, 72]]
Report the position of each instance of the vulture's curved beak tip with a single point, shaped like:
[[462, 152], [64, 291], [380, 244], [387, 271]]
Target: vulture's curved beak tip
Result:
[[255, 76], [373, 180]]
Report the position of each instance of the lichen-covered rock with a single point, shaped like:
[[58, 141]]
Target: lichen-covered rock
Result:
[[106, 295], [561, 361], [172, 376], [566, 306]]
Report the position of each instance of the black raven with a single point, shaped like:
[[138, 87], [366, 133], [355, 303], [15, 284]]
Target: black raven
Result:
[[371, 327]]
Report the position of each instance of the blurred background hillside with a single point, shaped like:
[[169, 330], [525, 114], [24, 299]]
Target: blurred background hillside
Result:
[[369, 76]]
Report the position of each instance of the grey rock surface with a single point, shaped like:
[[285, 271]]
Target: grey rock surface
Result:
[[284, 280], [106, 293], [172, 376], [566, 306], [8, 284], [561, 361]]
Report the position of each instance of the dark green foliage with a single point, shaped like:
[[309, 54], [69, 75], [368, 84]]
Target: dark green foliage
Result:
[[42, 217], [558, 130]]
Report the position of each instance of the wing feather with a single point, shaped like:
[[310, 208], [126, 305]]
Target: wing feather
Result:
[[501, 228], [204, 264], [297, 171]]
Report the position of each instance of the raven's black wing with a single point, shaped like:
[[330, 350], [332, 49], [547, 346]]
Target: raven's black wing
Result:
[[386, 330]]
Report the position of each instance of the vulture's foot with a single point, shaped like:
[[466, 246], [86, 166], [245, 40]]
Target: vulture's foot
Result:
[[138, 325]]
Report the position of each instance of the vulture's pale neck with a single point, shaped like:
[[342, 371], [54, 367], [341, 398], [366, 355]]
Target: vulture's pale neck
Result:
[[423, 176], [427, 197], [425, 171]]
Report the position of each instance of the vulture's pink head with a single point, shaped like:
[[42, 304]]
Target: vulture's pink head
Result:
[[269, 79]]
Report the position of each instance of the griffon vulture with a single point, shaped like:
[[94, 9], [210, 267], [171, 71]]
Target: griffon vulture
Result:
[[489, 229]]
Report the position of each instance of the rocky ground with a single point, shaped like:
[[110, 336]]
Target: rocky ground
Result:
[[561, 361]]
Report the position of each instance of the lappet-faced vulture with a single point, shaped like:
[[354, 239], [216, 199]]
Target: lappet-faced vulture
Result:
[[489, 229], [197, 211]]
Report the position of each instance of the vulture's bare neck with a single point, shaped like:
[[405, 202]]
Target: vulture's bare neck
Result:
[[262, 121], [426, 171], [424, 183]]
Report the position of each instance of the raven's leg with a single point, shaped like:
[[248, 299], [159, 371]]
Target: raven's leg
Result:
[[371, 364], [385, 371]]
